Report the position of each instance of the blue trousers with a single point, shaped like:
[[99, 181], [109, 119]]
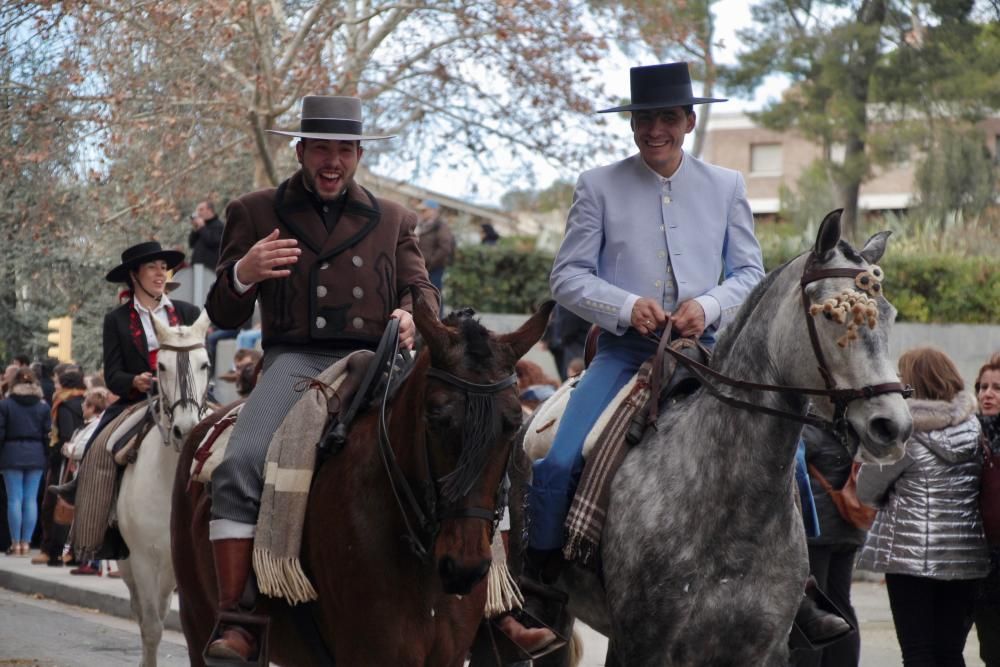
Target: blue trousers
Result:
[[809, 519], [22, 502], [555, 477]]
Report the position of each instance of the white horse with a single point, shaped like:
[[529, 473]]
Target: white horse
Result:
[[143, 505]]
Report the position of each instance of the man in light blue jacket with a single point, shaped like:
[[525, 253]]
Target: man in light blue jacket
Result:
[[658, 234]]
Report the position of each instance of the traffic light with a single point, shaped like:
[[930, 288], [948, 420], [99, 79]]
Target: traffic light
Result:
[[61, 337]]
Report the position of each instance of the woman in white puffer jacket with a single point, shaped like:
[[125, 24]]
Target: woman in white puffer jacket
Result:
[[928, 535]]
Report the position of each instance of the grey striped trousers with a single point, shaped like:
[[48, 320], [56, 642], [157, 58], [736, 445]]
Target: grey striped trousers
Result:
[[238, 482]]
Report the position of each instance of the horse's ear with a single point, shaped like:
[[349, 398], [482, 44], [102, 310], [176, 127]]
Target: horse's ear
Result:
[[435, 334], [875, 247], [200, 326], [828, 235], [162, 330], [520, 341]]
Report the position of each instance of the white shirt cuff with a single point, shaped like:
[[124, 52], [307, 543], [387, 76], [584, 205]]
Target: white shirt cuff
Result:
[[625, 314], [712, 308], [237, 285]]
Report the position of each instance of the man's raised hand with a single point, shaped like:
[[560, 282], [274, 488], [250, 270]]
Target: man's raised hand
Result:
[[267, 258]]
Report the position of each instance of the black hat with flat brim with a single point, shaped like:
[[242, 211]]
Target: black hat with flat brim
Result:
[[139, 254], [331, 118], [660, 87]]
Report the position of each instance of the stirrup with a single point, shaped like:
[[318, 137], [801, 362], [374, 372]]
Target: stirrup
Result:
[[257, 625], [493, 648]]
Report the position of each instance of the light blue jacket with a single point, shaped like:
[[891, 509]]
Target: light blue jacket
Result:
[[624, 221]]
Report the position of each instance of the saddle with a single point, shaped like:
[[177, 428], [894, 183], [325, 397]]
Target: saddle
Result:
[[366, 378]]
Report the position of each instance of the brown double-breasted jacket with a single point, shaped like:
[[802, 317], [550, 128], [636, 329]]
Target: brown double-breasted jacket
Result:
[[346, 282]]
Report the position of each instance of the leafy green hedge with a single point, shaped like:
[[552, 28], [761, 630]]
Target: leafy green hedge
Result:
[[497, 279], [505, 279], [944, 289]]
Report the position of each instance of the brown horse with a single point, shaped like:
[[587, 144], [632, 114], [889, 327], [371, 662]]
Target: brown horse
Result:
[[398, 555]]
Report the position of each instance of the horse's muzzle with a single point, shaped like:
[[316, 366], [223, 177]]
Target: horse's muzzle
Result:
[[460, 579]]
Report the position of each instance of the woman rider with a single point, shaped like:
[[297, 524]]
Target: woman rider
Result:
[[130, 345]]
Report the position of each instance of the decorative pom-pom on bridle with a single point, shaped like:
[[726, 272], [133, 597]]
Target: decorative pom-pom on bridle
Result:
[[854, 307]]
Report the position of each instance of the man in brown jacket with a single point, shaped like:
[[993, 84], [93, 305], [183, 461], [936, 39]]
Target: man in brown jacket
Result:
[[329, 264]]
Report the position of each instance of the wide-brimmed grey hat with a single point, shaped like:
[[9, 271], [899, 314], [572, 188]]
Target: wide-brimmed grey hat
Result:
[[331, 117], [660, 87]]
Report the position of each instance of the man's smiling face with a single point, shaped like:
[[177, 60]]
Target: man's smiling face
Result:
[[659, 135], [328, 165]]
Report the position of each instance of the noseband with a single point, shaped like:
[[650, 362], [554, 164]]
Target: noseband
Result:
[[840, 397], [166, 412], [428, 516]]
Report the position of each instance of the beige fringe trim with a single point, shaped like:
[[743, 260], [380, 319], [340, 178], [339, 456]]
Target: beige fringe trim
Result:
[[282, 577], [502, 593]]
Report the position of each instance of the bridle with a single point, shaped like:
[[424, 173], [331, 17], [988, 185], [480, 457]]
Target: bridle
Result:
[[160, 403], [428, 515], [840, 397]]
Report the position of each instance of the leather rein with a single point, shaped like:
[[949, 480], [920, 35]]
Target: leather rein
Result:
[[840, 397], [422, 531]]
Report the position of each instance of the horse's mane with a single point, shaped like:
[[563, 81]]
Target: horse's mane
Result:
[[729, 335]]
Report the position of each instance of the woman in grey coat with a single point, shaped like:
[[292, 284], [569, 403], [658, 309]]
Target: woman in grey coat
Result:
[[928, 535]]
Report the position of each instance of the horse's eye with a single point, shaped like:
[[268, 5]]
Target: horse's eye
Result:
[[438, 414], [204, 366], [161, 366]]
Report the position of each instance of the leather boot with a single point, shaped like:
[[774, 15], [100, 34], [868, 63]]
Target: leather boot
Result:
[[233, 559], [818, 625], [66, 491]]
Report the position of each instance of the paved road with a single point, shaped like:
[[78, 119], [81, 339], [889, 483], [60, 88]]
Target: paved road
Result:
[[45, 633], [39, 631]]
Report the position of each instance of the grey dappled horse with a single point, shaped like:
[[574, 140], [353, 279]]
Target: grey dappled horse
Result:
[[704, 551]]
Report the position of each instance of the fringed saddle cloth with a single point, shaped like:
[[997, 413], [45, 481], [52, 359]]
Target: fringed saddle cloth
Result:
[[603, 451]]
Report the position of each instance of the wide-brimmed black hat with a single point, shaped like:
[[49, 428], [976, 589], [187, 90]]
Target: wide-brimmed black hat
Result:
[[331, 117], [141, 253], [661, 86]]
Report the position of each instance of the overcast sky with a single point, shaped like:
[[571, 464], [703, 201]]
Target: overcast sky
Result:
[[731, 15]]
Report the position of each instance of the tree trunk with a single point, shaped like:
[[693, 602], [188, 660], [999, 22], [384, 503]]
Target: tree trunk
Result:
[[708, 90], [860, 68]]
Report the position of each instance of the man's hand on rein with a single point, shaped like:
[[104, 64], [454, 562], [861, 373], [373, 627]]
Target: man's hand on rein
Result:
[[689, 319], [265, 259], [648, 316], [407, 330]]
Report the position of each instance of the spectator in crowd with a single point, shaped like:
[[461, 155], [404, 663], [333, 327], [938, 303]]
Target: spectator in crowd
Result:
[[832, 553], [206, 235], [533, 385], [575, 366], [987, 614], [22, 360], [488, 235], [44, 371], [928, 535], [244, 371], [95, 402], [25, 423], [437, 244], [67, 418], [566, 338], [8, 378]]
